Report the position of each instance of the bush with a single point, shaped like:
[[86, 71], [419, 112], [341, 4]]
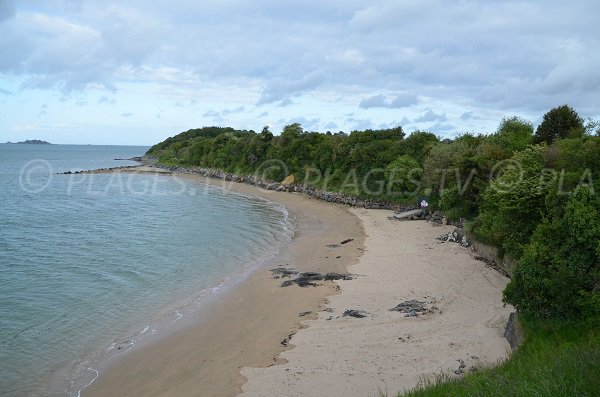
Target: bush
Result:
[[559, 272], [514, 202], [402, 175], [514, 134]]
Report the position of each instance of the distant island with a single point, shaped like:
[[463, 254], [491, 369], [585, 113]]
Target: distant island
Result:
[[32, 142]]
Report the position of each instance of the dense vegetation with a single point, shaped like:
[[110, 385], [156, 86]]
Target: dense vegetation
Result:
[[534, 194], [531, 193], [356, 163]]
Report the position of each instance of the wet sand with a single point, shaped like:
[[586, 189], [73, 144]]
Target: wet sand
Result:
[[245, 326]]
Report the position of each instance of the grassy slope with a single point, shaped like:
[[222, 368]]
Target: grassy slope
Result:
[[556, 360]]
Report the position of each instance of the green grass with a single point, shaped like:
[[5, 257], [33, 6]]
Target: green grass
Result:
[[557, 359]]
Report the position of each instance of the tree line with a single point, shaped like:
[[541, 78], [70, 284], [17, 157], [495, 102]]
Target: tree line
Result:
[[532, 192]]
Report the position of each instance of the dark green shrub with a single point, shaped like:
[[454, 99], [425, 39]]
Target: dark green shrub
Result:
[[513, 203], [559, 272]]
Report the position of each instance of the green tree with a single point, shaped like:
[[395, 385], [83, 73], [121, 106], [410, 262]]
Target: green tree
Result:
[[513, 203], [592, 126], [266, 135], [292, 131], [514, 134], [418, 144], [403, 175], [559, 273], [559, 123]]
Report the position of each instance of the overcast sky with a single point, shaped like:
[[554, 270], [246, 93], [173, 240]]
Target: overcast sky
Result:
[[136, 72]]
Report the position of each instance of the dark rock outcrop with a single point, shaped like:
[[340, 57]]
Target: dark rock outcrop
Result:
[[456, 236], [513, 332], [338, 276], [355, 313], [411, 308], [306, 279]]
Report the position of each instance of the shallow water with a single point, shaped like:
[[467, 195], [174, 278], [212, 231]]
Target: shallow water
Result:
[[86, 258]]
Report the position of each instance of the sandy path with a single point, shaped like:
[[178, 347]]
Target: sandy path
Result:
[[386, 351]]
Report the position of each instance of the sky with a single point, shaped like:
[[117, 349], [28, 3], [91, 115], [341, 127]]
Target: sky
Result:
[[136, 72]]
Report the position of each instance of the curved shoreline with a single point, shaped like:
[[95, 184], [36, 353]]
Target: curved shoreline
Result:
[[421, 308], [87, 364], [247, 326]]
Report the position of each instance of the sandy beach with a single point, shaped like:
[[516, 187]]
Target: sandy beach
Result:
[[247, 325], [259, 339], [386, 351]]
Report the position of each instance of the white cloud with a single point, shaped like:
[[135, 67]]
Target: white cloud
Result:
[[317, 59]]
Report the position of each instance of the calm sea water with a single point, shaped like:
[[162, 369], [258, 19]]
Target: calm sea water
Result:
[[90, 262]]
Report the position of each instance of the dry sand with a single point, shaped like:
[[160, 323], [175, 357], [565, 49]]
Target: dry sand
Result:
[[246, 326], [385, 351], [329, 354]]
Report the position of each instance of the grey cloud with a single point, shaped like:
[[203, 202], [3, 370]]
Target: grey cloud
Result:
[[211, 113], [264, 114], [404, 100], [239, 109], [440, 128], [374, 102], [129, 114], [385, 14], [468, 116], [69, 54], [466, 57], [331, 126], [7, 10], [285, 102], [180, 104], [5, 92], [220, 116], [104, 99], [430, 115], [382, 101], [280, 89], [359, 124], [507, 55]]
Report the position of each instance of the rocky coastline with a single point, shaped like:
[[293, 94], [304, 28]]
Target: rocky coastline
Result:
[[331, 197]]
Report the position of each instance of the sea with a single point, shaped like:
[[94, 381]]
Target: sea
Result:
[[90, 264]]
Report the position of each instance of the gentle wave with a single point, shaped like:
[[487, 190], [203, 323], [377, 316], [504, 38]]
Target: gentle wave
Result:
[[84, 277]]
